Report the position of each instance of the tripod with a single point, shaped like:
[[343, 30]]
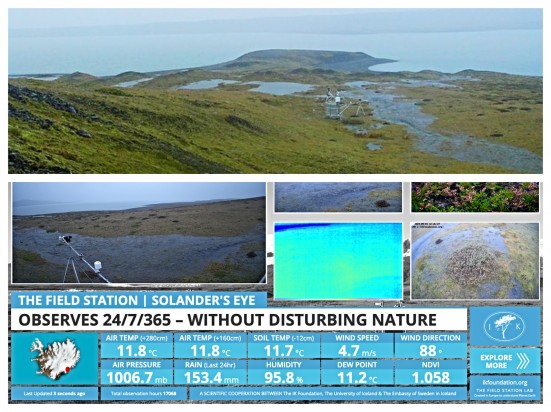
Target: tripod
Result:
[[71, 263], [359, 108]]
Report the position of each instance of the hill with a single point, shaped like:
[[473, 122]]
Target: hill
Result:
[[338, 61]]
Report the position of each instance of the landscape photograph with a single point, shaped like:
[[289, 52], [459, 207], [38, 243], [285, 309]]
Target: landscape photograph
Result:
[[478, 261], [475, 197], [332, 91], [153, 233], [358, 197]]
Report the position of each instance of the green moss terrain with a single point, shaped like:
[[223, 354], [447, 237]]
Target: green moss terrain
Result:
[[30, 267], [85, 124]]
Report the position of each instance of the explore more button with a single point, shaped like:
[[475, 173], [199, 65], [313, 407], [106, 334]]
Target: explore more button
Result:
[[505, 360]]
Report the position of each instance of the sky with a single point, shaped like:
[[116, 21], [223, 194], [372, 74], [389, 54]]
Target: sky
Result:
[[36, 18], [275, 20], [149, 193]]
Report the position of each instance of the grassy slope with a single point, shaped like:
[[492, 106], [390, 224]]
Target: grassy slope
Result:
[[149, 129]]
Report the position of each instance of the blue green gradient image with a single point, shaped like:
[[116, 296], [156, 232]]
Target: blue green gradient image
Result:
[[325, 261]]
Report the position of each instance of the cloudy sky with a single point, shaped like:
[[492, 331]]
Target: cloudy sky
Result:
[[130, 192], [25, 21], [35, 18]]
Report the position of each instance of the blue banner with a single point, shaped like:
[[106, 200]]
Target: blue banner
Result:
[[138, 300], [329, 393]]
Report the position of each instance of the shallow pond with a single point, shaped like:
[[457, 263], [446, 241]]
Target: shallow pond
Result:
[[45, 78], [280, 88], [374, 146], [206, 84], [275, 88], [132, 83]]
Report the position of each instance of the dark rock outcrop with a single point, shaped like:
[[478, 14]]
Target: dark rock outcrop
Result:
[[23, 94], [27, 116], [19, 164]]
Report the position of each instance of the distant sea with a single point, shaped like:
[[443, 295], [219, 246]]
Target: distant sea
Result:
[[62, 207], [507, 51]]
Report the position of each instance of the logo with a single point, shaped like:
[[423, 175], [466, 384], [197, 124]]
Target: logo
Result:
[[504, 326]]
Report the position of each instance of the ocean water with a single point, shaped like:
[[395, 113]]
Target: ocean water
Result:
[[508, 51], [64, 207], [277, 88], [325, 261]]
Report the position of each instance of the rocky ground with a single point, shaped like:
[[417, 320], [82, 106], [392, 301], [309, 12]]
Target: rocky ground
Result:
[[338, 197]]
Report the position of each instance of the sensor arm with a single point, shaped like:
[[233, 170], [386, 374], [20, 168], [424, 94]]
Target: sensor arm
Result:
[[81, 257]]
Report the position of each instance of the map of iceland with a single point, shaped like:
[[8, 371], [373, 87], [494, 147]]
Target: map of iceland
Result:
[[57, 359]]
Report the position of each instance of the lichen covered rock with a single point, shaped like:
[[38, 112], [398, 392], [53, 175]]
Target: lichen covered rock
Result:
[[470, 265]]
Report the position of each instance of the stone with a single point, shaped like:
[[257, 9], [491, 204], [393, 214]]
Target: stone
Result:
[[83, 133]]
